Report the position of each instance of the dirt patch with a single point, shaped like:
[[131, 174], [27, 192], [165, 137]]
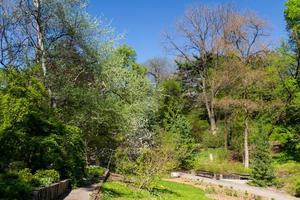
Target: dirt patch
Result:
[[116, 177]]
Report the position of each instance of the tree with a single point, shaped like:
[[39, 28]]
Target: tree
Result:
[[210, 35], [159, 69], [292, 18], [262, 172], [245, 42], [29, 133], [218, 36], [200, 30], [11, 41]]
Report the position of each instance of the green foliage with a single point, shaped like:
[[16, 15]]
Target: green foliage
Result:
[[16, 166], [177, 139], [170, 102], [46, 177], [297, 191], [292, 15], [148, 167], [40, 178], [14, 187], [212, 141], [262, 169], [19, 184], [26, 176], [96, 103], [28, 125], [94, 173], [220, 162], [199, 126], [288, 175]]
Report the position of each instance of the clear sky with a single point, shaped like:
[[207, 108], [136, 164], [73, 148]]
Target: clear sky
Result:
[[143, 21]]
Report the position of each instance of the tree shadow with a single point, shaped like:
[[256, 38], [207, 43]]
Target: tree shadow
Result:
[[159, 191], [65, 194], [114, 193]]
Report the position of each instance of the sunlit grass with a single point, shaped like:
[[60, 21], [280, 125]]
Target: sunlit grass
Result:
[[164, 190]]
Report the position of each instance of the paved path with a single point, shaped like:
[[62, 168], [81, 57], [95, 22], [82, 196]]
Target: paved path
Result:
[[241, 187], [82, 193]]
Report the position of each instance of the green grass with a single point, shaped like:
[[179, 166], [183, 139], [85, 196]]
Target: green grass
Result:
[[165, 190], [288, 175]]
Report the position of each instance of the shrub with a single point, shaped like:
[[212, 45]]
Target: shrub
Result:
[[177, 139], [220, 164], [262, 169], [29, 127], [94, 172], [26, 176], [13, 187], [287, 169], [145, 170], [46, 177], [212, 141], [289, 176], [297, 191], [16, 166]]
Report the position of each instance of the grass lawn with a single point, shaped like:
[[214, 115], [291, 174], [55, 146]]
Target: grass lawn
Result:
[[165, 190]]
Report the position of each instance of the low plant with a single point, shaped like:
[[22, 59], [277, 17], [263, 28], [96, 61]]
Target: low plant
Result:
[[146, 170], [94, 172], [288, 177], [14, 187], [217, 161], [46, 177], [16, 166]]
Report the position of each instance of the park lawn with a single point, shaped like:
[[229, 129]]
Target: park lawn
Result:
[[165, 190]]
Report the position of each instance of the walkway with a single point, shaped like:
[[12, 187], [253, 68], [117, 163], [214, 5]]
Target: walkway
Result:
[[82, 193], [241, 187]]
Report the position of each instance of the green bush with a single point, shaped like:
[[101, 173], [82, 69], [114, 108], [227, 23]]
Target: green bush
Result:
[[297, 190], [13, 187], [221, 162], [26, 176], [46, 177], [94, 172], [212, 141], [287, 169], [29, 126], [289, 176], [16, 166]]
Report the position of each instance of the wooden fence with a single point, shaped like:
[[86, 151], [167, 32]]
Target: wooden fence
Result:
[[53, 191], [208, 174]]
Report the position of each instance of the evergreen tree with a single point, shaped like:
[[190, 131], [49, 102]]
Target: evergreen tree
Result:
[[262, 170]]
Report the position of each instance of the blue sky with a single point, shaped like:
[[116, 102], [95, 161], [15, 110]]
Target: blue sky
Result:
[[143, 21]]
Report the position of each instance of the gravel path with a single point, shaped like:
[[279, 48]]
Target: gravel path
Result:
[[241, 187], [82, 193]]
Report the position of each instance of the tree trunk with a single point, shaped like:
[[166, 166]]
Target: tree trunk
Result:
[[40, 37], [210, 110], [246, 148], [212, 119], [41, 58], [226, 132]]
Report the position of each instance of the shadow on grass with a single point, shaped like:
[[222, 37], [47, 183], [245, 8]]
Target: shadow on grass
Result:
[[113, 193], [162, 191]]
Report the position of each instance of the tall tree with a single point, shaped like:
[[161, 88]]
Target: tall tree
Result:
[[159, 69], [292, 18]]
